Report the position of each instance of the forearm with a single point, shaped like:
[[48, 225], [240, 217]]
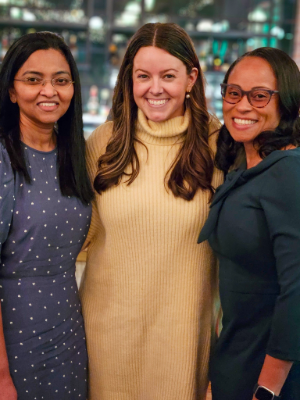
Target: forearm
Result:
[[8, 390], [4, 366], [274, 373]]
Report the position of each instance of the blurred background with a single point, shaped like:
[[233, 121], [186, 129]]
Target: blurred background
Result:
[[97, 32]]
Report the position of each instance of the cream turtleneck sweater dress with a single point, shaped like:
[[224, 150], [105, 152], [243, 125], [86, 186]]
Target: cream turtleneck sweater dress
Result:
[[147, 293]]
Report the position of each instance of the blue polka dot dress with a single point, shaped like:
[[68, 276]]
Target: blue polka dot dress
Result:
[[41, 234]]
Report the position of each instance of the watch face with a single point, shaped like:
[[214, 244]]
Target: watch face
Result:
[[263, 394]]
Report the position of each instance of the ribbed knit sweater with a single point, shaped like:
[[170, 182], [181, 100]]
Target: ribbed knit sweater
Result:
[[147, 293]]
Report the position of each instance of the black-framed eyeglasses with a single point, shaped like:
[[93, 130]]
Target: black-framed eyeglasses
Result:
[[257, 97], [57, 83]]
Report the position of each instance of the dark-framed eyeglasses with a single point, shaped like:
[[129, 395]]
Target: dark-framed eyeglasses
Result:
[[257, 97], [59, 83]]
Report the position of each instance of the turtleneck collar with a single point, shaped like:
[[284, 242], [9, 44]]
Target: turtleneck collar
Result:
[[162, 133]]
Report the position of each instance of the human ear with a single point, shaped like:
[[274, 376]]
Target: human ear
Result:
[[192, 77], [12, 95]]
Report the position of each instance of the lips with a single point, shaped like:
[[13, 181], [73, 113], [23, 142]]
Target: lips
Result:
[[240, 121], [48, 106], [157, 103], [44, 104]]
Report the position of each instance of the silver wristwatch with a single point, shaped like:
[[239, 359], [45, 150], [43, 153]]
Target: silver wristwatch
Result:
[[263, 393]]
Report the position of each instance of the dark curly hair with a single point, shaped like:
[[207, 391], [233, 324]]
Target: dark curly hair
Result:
[[288, 131]]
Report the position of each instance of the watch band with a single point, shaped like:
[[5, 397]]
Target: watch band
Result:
[[263, 393]]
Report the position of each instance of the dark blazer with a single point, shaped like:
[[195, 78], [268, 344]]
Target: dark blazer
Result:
[[254, 228]]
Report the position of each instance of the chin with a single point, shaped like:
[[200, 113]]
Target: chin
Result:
[[156, 117], [48, 123]]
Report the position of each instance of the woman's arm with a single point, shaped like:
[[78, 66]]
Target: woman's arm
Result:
[[280, 198], [95, 146], [8, 390], [95, 226], [273, 374]]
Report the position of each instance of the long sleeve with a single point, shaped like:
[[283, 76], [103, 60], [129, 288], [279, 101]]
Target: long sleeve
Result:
[[280, 199], [6, 195], [98, 140]]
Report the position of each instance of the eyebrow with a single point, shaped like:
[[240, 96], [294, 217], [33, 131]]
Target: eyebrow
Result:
[[255, 87], [164, 71], [40, 74]]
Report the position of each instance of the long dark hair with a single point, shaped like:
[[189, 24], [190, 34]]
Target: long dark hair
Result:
[[73, 176], [288, 131], [193, 166]]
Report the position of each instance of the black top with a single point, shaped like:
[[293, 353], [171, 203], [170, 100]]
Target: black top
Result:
[[254, 227]]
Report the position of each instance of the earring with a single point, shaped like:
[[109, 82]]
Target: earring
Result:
[[187, 96]]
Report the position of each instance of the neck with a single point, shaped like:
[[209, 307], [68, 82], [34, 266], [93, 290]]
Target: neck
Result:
[[252, 156], [38, 137], [165, 132]]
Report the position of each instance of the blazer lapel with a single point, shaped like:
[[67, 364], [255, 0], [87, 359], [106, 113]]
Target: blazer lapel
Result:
[[236, 178], [216, 205]]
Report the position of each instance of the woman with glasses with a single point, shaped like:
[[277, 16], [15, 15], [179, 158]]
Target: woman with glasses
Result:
[[254, 228], [44, 218]]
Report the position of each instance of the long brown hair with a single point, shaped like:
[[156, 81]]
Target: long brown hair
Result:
[[193, 166]]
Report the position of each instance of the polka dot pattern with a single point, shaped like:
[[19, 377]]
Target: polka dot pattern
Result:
[[40, 238]]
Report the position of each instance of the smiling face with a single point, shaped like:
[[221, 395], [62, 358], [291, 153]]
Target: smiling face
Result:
[[41, 106], [243, 121], [160, 83]]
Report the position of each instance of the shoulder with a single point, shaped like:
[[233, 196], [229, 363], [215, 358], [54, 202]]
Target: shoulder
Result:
[[7, 180], [6, 194], [97, 142], [100, 137], [286, 164], [282, 178], [5, 165], [214, 128], [214, 124]]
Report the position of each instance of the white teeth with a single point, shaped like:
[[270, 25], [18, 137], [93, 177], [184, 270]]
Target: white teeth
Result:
[[48, 104], [244, 121], [157, 102]]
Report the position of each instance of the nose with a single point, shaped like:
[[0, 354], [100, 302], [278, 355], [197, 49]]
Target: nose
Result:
[[244, 105], [47, 89], [156, 87]]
